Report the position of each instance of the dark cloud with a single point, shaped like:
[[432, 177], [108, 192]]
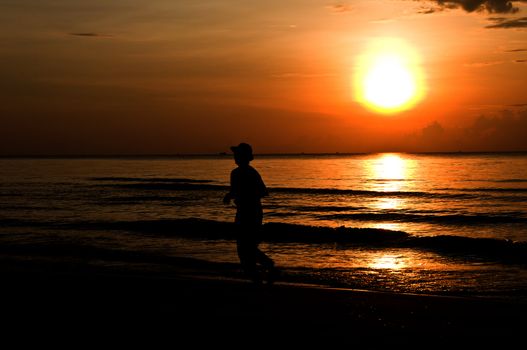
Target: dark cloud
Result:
[[506, 7], [505, 132], [340, 8], [516, 50], [89, 34], [427, 11], [433, 131], [491, 6], [482, 64], [508, 23], [521, 61]]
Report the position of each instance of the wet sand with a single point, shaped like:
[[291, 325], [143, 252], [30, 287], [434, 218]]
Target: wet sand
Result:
[[128, 304]]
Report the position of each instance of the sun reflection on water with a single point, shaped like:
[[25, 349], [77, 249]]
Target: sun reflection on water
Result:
[[388, 203], [392, 226], [391, 262], [390, 167], [389, 173]]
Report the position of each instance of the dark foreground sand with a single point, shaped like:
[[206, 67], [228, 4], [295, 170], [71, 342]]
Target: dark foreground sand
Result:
[[60, 303]]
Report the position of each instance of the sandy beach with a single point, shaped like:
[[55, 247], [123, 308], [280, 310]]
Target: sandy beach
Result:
[[187, 303], [156, 155]]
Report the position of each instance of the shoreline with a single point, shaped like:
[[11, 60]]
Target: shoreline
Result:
[[190, 305]]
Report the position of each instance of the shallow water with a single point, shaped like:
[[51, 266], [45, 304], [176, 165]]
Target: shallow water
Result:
[[462, 195]]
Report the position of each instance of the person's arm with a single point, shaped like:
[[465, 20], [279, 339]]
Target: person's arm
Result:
[[262, 189], [229, 196]]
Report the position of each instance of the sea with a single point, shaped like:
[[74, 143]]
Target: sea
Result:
[[442, 223]]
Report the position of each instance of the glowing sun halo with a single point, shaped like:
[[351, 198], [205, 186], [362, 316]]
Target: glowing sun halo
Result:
[[389, 78]]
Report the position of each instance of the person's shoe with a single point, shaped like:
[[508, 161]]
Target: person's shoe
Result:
[[257, 281], [256, 278], [272, 274]]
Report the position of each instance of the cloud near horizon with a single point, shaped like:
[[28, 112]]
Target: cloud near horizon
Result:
[[90, 34], [340, 8], [505, 7], [505, 132], [488, 6], [505, 23]]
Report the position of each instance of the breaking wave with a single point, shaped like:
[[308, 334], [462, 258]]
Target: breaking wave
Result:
[[501, 250]]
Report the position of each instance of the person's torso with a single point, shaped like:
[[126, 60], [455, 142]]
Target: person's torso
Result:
[[248, 187]]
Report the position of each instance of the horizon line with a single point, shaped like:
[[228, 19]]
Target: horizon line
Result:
[[224, 154]]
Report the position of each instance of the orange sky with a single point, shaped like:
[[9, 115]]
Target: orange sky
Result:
[[164, 77]]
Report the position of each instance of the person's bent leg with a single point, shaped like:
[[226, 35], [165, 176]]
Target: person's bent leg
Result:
[[246, 253], [263, 259]]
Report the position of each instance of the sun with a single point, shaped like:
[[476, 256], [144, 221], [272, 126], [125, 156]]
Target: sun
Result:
[[388, 77], [388, 83]]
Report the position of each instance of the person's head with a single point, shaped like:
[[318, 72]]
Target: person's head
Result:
[[243, 153]]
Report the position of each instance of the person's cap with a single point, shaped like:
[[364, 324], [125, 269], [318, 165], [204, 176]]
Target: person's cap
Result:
[[243, 149]]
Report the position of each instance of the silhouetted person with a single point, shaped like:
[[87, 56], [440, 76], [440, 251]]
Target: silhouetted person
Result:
[[247, 189]]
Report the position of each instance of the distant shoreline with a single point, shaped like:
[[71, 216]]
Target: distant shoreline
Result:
[[228, 155]]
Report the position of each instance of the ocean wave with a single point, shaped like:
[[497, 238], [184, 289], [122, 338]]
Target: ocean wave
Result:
[[140, 199], [368, 193], [149, 179], [168, 186], [62, 250], [495, 180], [510, 180], [200, 184], [182, 186], [455, 219], [497, 249], [389, 180], [321, 208], [485, 189], [27, 207]]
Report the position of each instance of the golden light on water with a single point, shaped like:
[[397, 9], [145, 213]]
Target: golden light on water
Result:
[[390, 167], [389, 77], [389, 171], [388, 203], [392, 226], [392, 262]]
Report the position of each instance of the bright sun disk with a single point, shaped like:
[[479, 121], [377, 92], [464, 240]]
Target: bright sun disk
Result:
[[389, 78]]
